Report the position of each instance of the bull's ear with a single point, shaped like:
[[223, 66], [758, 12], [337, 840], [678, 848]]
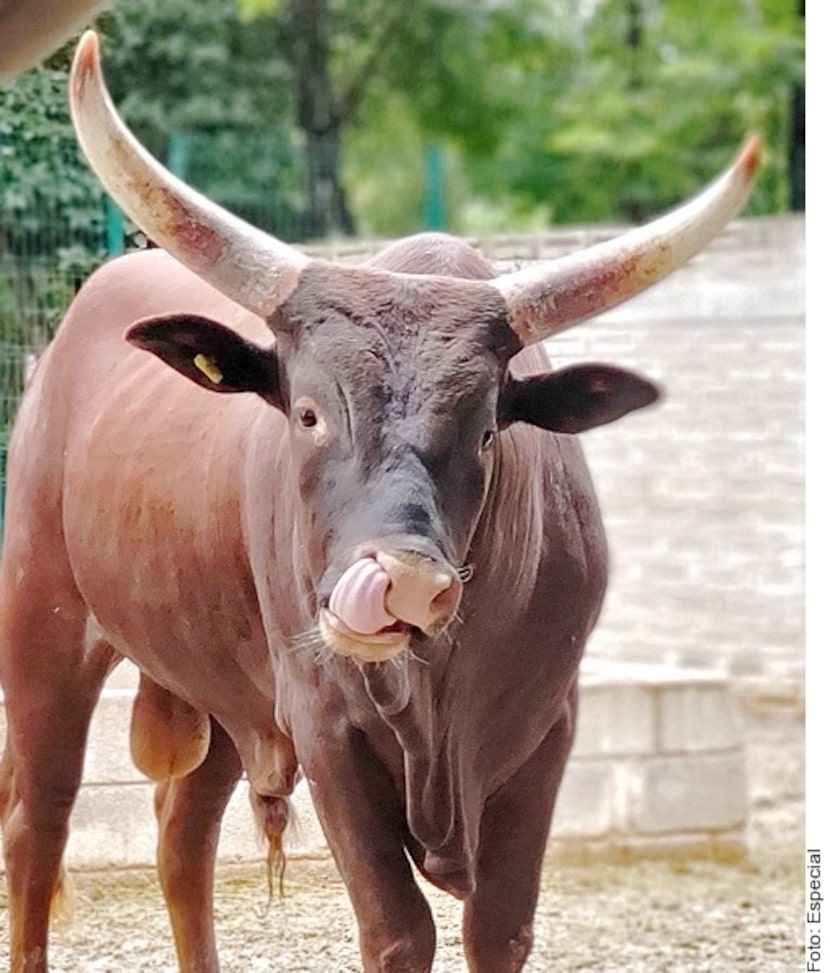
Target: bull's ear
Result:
[[575, 399], [208, 353]]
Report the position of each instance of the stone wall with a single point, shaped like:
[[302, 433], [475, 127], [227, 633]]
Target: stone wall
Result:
[[658, 768]]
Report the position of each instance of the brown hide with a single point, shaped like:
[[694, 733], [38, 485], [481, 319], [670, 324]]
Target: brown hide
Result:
[[150, 484], [166, 518]]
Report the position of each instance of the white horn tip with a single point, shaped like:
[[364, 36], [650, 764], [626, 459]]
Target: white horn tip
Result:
[[85, 65], [87, 53]]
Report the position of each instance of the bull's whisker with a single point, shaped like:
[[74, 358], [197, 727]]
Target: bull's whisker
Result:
[[412, 654], [309, 642], [304, 640], [322, 656], [457, 618]]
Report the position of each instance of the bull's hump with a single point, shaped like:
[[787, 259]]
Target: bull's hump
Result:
[[434, 253]]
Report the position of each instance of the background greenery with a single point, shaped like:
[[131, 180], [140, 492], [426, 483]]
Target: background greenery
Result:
[[315, 116]]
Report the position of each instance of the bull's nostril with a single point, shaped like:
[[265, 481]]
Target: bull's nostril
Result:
[[444, 604], [443, 599], [423, 592]]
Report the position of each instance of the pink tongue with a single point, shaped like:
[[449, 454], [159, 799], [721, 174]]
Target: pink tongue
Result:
[[359, 597]]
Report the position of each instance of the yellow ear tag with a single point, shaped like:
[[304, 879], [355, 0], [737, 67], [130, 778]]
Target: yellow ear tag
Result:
[[208, 368]]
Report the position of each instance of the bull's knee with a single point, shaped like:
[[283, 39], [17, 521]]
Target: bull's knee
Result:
[[410, 952], [491, 950]]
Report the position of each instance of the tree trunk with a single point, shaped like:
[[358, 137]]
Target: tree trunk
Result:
[[795, 153], [328, 208], [634, 42], [319, 118]]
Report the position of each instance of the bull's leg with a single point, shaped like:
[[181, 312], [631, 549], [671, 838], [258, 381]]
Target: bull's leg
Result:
[[51, 681], [498, 916], [364, 823], [189, 811]]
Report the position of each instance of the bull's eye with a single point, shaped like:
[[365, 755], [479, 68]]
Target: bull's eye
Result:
[[309, 419], [487, 440]]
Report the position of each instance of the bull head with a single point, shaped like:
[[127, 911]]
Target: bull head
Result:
[[395, 384]]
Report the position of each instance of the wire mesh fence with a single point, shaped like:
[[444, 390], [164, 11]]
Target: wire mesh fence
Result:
[[35, 290], [39, 275], [56, 226]]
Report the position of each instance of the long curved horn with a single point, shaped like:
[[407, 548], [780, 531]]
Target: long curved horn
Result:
[[548, 298], [245, 264]]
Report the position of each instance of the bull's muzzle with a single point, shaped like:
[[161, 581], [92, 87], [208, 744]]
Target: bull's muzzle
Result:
[[383, 598]]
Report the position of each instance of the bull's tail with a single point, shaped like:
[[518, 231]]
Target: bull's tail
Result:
[[273, 816]]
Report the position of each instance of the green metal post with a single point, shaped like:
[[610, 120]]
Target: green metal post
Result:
[[177, 155], [115, 228], [435, 215]]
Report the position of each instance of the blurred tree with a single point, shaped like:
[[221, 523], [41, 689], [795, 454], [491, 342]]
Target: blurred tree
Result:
[[659, 95], [453, 66], [50, 207], [222, 85], [545, 110], [176, 66], [796, 161], [564, 110], [460, 75], [45, 194], [326, 103]]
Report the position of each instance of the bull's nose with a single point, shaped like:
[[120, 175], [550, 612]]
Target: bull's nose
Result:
[[421, 592]]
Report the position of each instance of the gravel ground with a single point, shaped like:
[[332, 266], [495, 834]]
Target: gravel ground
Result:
[[682, 916]]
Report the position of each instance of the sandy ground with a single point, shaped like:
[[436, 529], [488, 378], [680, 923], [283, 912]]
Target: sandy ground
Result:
[[682, 916]]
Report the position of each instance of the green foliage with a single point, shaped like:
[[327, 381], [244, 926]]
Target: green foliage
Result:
[[51, 216], [548, 110], [47, 194], [174, 66], [572, 112], [463, 75], [219, 83], [635, 133]]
